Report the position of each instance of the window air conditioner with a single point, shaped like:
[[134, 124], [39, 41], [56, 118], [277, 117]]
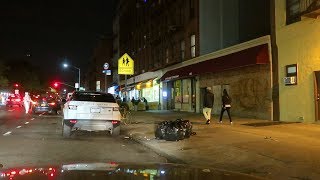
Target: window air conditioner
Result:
[[290, 80]]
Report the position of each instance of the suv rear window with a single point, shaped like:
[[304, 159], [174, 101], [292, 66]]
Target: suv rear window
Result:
[[95, 97]]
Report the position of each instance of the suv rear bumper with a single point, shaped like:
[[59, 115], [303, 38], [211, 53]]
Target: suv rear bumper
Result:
[[92, 125]]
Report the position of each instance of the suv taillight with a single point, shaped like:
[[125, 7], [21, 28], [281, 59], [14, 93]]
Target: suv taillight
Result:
[[115, 122], [73, 121]]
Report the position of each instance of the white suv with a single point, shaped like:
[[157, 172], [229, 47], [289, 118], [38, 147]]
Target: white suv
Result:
[[91, 111]]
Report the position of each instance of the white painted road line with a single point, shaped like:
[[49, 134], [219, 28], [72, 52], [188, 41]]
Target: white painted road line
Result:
[[18, 127], [32, 119], [26, 122], [7, 133]]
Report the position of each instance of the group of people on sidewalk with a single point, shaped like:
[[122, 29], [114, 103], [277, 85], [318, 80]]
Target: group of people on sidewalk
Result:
[[209, 101]]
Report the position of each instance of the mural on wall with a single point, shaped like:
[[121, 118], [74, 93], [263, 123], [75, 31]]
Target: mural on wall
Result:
[[252, 94]]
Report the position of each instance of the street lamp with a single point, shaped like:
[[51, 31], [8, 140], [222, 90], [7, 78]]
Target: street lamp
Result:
[[65, 65]]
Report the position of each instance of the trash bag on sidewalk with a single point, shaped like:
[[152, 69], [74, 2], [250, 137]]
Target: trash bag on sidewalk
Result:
[[186, 126], [161, 129], [174, 130]]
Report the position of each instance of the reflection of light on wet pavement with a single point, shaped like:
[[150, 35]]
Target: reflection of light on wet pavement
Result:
[[18, 127], [26, 122], [7, 133], [32, 119], [10, 110]]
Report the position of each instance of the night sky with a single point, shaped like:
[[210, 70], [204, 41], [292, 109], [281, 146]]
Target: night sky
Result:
[[52, 30]]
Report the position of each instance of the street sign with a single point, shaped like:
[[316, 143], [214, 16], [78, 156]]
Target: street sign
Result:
[[126, 65], [107, 72], [106, 66]]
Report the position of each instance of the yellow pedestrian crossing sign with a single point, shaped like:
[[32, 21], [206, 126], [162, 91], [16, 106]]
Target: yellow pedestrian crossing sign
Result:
[[126, 65]]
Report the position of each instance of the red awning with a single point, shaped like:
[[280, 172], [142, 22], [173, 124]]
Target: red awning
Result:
[[247, 57]]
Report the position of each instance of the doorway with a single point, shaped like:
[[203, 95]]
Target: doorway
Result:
[[317, 94]]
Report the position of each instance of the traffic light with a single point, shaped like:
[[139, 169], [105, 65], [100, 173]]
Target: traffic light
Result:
[[55, 84]]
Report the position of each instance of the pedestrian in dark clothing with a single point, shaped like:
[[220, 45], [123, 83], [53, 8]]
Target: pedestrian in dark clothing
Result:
[[208, 104], [226, 105], [146, 103]]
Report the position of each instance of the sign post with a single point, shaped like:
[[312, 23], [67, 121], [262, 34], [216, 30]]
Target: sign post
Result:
[[125, 67], [105, 67]]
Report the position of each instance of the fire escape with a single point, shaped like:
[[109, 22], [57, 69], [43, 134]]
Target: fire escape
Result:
[[297, 9]]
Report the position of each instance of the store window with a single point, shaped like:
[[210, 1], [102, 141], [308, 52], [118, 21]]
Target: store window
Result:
[[193, 45], [186, 88], [177, 91]]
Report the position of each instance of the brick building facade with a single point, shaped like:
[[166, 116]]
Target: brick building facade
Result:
[[180, 47], [158, 33]]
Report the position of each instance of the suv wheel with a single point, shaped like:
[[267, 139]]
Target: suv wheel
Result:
[[115, 131], [66, 131]]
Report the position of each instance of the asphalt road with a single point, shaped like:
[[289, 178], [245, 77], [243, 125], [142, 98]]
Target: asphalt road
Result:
[[35, 140]]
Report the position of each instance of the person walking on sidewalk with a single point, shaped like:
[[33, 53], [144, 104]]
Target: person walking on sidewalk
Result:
[[226, 105], [208, 104]]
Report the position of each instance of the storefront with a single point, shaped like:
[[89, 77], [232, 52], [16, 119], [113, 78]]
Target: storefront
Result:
[[243, 70], [145, 86], [150, 90], [180, 94]]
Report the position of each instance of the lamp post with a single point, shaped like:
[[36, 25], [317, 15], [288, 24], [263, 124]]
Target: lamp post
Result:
[[65, 65]]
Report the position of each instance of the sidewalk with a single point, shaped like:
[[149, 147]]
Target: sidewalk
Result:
[[286, 151]]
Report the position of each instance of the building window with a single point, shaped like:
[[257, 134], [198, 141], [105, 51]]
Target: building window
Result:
[[193, 45], [297, 7], [182, 50], [181, 14], [167, 55], [191, 8]]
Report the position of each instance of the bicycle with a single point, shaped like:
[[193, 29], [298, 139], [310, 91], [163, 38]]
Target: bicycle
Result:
[[125, 115]]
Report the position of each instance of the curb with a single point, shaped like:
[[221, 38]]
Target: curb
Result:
[[170, 158]]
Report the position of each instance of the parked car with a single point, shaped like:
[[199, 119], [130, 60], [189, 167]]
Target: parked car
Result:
[[91, 111], [46, 105], [14, 100]]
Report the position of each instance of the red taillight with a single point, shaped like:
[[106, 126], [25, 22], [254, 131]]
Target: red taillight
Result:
[[13, 172], [52, 103], [73, 121], [114, 122], [51, 174]]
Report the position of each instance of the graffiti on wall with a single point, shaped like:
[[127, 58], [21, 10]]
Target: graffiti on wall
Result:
[[252, 94]]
